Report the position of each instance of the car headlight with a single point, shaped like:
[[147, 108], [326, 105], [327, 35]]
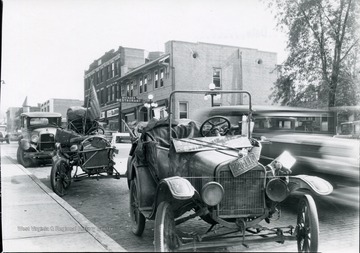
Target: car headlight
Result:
[[34, 138], [277, 189], [212, 193]]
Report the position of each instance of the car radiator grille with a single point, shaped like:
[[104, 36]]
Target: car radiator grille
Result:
[[244, 194], [47, 142]]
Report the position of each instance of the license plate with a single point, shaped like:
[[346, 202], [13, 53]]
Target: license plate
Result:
[[243, 164]]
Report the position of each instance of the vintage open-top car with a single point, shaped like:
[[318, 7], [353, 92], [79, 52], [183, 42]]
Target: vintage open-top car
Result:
[[82, 144], [179, 170]]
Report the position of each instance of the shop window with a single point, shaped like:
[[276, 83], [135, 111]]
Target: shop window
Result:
[[183, 110], [217, 78]]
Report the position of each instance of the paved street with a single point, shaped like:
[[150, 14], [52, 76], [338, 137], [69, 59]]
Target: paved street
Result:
[[105, 203]]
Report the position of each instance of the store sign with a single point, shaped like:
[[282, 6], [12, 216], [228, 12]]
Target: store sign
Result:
[[131, 100], [113, 112]]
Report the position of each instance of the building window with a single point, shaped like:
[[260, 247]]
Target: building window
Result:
[[145, 83], [183, 110], [119, 90], [102, 91], [217, 77], [108, 71], [98, 77], [161, 77], [113, 93], [132, 89], [117, 67], [108, 94], [156, 81], [128, 90], [140, 85], [102, 74], [112, 69]]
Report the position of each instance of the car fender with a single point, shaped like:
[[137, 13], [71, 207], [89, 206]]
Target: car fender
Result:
[[25, 144], [146, 186], [179, 188], [315, 184]]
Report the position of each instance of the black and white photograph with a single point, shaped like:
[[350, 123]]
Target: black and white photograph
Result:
[[180, 126]]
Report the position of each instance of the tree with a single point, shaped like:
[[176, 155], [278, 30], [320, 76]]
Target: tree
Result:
[[323, 45]]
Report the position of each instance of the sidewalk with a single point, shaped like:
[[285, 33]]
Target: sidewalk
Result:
[[36, 219]]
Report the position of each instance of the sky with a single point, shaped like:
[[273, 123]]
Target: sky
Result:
[[48, 44]]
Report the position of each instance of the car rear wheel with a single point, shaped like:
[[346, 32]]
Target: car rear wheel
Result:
[[60, 177], [164, 232], [307, 225], [137, 218], [20, 155]]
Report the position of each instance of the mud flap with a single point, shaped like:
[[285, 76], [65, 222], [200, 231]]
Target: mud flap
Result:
[[317, 185]]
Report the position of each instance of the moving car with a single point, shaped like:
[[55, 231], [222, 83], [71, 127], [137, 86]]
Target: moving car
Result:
[[180, 170], [306, 133], [37, 140]]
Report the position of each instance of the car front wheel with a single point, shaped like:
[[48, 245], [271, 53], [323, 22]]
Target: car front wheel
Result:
[[307, 225], [164, 232], [137, 218], [20, 155], [60, 177]]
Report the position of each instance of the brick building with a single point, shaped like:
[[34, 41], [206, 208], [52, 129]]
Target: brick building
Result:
[[183, 66]]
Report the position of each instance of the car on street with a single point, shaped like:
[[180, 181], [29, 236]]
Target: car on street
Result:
[[4, 135], [37, 140], [180, 170], [349, 130], [306, 133]]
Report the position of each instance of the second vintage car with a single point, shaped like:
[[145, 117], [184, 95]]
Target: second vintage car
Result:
[[37, 140], [179, 170]]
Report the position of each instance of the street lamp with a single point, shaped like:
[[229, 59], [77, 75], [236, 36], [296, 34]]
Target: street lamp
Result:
[[150, 104], [211, 93]]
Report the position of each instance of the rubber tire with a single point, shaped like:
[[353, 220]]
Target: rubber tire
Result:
[[164, 232], [307, 225], [55, 170], [26, 162], [137, 218]]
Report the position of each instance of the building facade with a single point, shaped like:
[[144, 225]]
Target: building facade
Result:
[[60, 105], [185, 66]]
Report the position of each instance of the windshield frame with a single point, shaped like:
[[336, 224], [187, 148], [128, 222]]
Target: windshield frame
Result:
[[209, 92]]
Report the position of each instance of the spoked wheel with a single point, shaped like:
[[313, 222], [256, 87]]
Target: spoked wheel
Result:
[[60, 177], [307, 225], [164, 232], [20, 155], [137, 218]]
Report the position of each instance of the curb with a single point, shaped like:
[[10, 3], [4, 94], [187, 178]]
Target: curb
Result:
[[88, 226]]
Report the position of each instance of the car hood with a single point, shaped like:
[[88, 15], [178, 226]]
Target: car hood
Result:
[[43, 130], [205, 163]]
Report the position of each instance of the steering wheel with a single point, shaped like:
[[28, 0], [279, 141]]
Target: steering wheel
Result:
[[215, 125]]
